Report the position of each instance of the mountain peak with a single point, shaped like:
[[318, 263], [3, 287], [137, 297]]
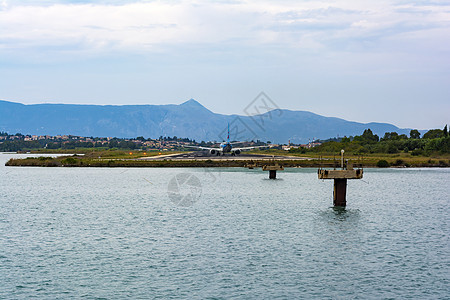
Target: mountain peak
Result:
[[192, 103]]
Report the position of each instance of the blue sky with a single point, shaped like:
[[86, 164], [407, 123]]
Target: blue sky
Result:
[[383, 61]]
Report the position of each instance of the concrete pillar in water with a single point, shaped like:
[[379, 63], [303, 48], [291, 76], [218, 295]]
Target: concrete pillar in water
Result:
[[272, 170], [339, 192], [272, 174], [340, 180]]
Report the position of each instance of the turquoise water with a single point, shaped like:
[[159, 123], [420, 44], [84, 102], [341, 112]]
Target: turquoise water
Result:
[[101, 233]]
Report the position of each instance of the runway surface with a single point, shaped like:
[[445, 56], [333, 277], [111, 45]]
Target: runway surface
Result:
[[204, 155]]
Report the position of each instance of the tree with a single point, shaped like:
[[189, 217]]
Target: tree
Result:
[[414, 134], [391, 147], [369, 136], [345, 140], [366, 138], [445, 131], [434, 134], [390, 136]]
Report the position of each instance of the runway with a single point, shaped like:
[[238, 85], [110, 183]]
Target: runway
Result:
[[204, 155]]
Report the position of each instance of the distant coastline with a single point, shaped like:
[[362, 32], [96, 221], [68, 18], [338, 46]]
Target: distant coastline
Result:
[[287, 162], [368, 149]]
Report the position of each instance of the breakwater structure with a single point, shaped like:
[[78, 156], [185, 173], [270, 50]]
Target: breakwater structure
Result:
[[347, 171], [273, 168]]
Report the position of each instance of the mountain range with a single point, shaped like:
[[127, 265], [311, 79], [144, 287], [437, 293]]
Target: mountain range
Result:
[[188, 120]]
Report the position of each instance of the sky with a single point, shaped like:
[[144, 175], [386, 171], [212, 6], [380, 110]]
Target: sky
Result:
[[365, 61]]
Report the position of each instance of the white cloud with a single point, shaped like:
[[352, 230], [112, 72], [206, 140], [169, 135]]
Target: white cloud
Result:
[[150, 26]]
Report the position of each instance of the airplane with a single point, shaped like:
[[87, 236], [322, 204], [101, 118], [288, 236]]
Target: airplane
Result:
[[227, 147]]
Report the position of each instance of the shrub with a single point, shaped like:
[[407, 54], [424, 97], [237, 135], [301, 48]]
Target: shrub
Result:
[[43, 158], [399, 162], [69, 161], [382, 164], [443, 163], [391, 149], [417, 152]]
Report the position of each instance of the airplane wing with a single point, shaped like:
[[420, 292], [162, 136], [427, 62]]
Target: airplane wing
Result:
[[204, 148], [232, 143], [248, 148]]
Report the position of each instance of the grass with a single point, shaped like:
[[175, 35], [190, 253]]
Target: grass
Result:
[[397, 159]]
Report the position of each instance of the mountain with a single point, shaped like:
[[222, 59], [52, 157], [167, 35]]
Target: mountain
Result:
[[189, 119]]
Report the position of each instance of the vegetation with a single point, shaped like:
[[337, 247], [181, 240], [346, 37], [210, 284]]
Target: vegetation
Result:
[[88, 161], [433, 149], [19, 142], [382, 163], [434, 142], [77, 161]]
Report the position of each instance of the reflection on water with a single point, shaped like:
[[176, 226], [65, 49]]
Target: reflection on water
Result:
[[344, 214], [339, 210], [339, 214]]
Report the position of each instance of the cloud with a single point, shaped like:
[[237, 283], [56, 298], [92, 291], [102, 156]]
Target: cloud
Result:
[[152, 26], [435, 3], [308, 53]]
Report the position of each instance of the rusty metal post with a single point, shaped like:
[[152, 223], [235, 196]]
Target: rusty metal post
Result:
[[339, 193], [272, 174]]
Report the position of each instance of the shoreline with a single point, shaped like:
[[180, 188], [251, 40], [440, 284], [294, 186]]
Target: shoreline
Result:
[[74, 162]]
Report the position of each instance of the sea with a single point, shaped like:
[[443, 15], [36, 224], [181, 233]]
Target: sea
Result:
[[221, 233]]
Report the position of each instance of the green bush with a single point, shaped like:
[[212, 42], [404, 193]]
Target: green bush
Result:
[[69, 161], [392, 149], [443, 163], [382, 164], [417, 152], [399, 162], [43, 158]]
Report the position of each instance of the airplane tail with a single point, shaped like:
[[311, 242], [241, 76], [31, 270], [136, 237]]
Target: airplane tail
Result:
[[228, 136]]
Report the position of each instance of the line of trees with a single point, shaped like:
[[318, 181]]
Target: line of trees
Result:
[[20, 145], [434, 141]]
